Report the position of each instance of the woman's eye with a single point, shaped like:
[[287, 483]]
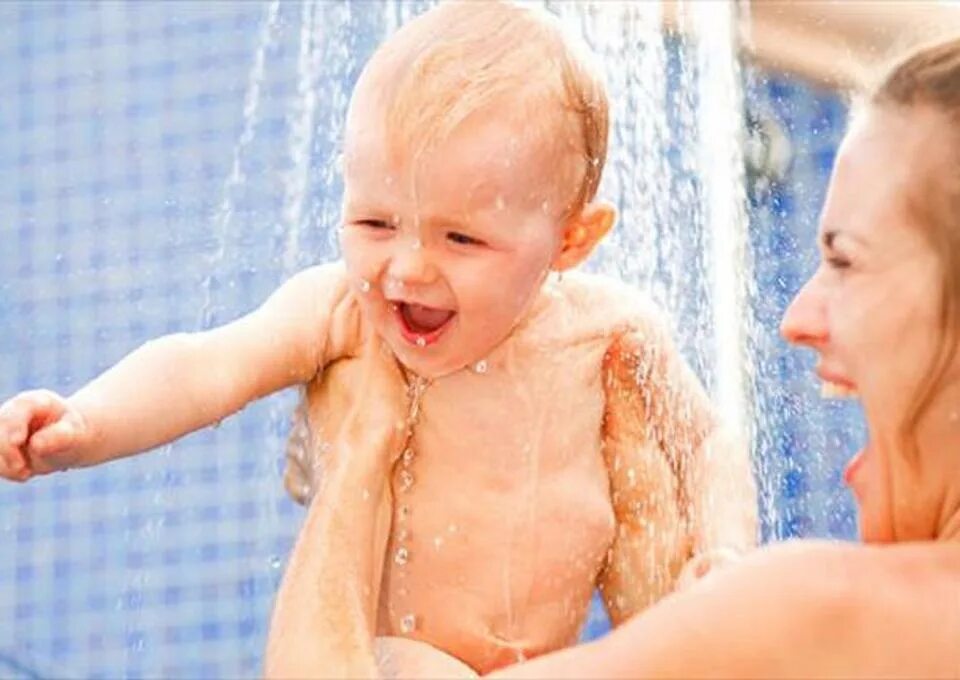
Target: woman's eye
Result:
[[463, 239]]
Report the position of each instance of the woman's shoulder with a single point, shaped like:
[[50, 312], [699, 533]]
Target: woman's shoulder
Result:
[[885, 609], [850, 572]]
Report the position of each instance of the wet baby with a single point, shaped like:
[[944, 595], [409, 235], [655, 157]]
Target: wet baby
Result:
[[558, 444]]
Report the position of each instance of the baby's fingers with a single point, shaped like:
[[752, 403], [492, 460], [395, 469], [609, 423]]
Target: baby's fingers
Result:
[[48, 447], [53, 438], [13, 465], [14, 419], [28, 412]]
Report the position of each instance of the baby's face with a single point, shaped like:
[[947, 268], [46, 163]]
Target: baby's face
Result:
[[447, 250]]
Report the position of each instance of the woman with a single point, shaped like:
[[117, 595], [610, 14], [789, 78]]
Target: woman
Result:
[[883, 314]]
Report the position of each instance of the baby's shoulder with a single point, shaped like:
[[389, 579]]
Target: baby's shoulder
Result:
[[323, 286], [610, 306], [329, 278], [327, 299]]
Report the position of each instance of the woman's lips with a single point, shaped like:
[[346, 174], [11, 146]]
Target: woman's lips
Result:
[[834, 386], [421, 325], [853, 465], [835, 390]]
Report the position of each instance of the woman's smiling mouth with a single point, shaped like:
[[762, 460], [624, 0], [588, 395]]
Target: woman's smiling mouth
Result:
[[421, 325]]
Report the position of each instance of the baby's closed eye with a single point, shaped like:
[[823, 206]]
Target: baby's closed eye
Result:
[[463, 239], [372, 223]]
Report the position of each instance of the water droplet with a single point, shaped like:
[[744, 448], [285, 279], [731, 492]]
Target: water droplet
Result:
[[481, 366], [421, 341], [437, 542], [364, 286], [406, 480], [452, 528], [275, 562], [408, 623], [403, 535], [402, 556], [366, 494], [545, 206], [407, 456], [500, 203], [416, 245]]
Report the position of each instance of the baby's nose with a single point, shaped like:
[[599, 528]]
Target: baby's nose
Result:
[[410, 264]]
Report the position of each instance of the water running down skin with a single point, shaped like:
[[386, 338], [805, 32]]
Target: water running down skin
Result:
[[584, 455], [873, 313]]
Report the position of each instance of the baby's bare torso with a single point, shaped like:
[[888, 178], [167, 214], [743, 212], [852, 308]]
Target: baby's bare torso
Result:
[[502, 512]]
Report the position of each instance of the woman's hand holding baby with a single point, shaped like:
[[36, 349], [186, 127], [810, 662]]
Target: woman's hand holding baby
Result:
[[380, 411], [40, 432]]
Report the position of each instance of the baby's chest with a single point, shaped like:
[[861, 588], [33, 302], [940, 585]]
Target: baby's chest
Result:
[[530, 499], [492, 557]]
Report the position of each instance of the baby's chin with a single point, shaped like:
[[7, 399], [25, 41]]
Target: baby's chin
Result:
[[426, 364]]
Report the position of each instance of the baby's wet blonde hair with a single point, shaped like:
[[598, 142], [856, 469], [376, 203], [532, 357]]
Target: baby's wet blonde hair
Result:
[[478, 57]]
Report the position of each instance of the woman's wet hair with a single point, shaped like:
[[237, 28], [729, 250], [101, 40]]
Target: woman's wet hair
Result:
[[929, 78]]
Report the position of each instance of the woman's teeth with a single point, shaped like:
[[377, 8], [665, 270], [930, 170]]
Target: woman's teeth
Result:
[[832, 390]]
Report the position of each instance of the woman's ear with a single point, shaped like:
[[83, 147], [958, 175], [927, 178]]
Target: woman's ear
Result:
[[583, 232]]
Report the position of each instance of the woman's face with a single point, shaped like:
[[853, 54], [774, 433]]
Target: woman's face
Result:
[[871, 310]]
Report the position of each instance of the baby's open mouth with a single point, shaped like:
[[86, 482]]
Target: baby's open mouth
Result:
[[422, 325]]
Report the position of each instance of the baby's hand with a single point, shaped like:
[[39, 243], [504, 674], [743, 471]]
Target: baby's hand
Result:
[[701, 565], [40, 432]]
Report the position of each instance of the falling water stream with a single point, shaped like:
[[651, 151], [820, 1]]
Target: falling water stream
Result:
[[675, 171]]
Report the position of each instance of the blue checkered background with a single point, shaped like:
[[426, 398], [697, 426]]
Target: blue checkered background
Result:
[[163, 167]]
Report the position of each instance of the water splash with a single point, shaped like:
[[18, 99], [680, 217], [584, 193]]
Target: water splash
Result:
[[301, 133], [721, 133], [236, 178]]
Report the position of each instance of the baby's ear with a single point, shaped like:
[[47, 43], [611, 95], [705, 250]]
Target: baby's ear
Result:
[[583, 232]]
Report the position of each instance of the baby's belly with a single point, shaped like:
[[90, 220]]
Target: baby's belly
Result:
[[488, 637], [491, 578]]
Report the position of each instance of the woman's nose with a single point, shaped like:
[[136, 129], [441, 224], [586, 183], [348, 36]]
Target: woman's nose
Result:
[[805, 321]]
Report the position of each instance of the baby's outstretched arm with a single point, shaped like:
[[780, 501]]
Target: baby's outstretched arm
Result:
[[681, 488], [171, 386]]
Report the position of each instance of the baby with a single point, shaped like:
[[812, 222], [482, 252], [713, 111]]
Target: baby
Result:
[[558, 444]]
